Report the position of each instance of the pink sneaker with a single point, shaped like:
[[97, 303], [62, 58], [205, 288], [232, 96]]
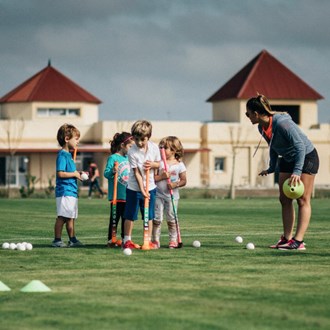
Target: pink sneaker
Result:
[[293, 245], [156, 244], [281, 241], [173, 245]]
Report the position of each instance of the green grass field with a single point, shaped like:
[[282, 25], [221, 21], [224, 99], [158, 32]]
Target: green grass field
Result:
[[221, 285]]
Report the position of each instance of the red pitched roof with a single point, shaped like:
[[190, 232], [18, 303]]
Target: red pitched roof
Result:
[[49, 85], [266, 75]]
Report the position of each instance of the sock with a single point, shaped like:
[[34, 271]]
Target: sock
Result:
[[73, 239], [127, 238], [298, 241], [57, 239]]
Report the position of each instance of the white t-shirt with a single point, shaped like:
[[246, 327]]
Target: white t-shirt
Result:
[[175, 170], [137, 157]]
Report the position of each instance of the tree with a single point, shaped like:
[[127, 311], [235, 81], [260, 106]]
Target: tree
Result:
[[236, 142], [13, 136]]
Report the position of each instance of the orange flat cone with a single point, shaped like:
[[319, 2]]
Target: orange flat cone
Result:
[[145, 247]]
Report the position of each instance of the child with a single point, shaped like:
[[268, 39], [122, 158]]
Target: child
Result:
[[177, 174], [66, 190], [120, 145], [144, 155]]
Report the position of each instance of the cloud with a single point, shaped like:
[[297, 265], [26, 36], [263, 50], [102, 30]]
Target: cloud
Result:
[[162, 58]]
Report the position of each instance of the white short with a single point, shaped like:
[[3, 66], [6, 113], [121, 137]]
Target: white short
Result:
[[67, 207]]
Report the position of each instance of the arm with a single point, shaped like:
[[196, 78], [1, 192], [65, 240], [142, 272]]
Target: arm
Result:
[[139, 180], [151, 165], [180, 183], [96, 174], [109, 170], [161, 175], [68, 175]]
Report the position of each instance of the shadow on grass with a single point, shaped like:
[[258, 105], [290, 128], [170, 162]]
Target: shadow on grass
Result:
[[85, 246]]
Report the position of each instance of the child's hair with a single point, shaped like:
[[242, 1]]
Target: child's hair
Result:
[[118, 139], [260, 104], [142, 128], [66, 130], [174, 144]]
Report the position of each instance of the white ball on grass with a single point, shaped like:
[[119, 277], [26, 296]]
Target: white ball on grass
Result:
[[239, 239], [196, 244], [28, 246], [127, 251], [12, 246], [5, 245], [250, 246], [21, 247]]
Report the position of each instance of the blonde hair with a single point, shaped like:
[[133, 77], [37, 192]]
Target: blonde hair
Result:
[[142, 128], [174, 144]]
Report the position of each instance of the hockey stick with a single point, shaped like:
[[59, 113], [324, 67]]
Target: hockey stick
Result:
[[75, 154], [146, 244], [114, 206], [180, 244]]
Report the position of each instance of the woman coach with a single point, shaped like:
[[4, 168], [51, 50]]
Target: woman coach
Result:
[[297, 159]]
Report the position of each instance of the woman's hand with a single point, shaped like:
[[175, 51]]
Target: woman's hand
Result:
[[294, 180], [263, 173]]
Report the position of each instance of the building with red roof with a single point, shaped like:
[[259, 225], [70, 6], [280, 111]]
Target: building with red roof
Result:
[[264, 74], [216, 152]]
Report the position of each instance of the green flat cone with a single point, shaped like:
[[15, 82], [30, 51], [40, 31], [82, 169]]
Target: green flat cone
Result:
[[36, 286], [4, 287]]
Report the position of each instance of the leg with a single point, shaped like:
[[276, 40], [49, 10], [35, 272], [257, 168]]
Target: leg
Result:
[[91, 183], [70, 227], [157, 223], [170, 217], [288, 212], [59, 223], [304, 206], [97, 185], [128, 227], [171, 224], [150, 229], [58, 227]]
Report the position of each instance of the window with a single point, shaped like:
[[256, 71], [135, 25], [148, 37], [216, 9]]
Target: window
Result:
[[292, 110], [50, 112], [219, 164], [13, 170]]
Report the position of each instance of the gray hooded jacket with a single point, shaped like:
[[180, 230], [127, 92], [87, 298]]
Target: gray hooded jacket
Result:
[[287, 141]]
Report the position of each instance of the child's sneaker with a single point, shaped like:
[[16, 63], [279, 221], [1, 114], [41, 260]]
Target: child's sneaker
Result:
[[173, 245], [153, 245], [75, 244], [131, 245], [59, 244], [293, 245], [156, 244], [281, 241], [116, 244]]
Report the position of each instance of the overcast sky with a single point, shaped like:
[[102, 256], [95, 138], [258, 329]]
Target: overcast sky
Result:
[[161, 59]]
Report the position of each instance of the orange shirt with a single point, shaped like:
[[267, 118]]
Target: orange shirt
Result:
[[269, 130]]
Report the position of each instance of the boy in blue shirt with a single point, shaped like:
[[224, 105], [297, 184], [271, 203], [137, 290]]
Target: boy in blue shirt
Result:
[[66, 190]]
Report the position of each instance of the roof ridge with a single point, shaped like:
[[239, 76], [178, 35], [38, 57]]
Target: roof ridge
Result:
[[39, 83], [49, 85], [252, 71]]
